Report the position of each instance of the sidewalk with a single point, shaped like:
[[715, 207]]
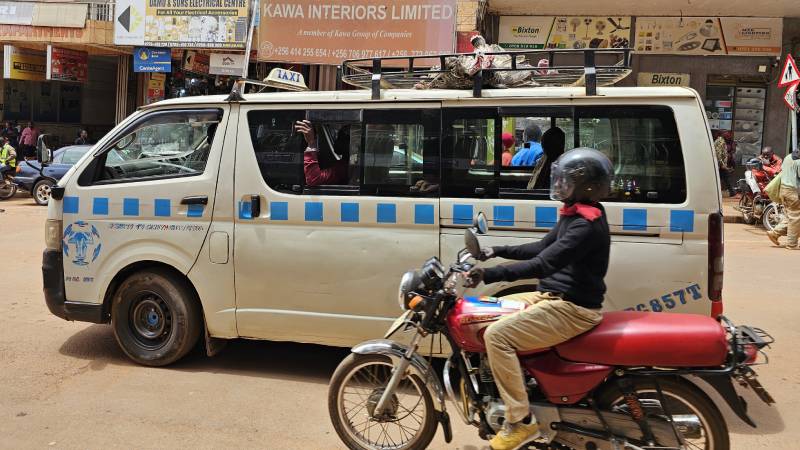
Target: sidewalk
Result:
[[729, 214]]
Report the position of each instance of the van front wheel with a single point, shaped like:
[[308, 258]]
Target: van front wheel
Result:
[[156, 317]]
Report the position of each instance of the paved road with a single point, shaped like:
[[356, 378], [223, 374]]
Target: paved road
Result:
[[67, 385]]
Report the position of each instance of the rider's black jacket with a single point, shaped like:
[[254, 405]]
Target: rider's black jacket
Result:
[[572, 260]]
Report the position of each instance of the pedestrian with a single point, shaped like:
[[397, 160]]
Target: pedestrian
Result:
[[83, 138], [11, 132], [28, 140], [508, 144], [726, 161], [790, 183]]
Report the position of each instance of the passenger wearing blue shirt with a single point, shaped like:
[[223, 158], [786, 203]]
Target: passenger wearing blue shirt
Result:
[[531, 151]]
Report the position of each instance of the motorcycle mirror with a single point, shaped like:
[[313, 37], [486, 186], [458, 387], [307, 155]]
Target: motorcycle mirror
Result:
[[43, 153], [480, 224], [471, 242]]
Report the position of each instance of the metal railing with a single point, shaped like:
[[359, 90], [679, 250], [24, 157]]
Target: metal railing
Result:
[[100, 11]]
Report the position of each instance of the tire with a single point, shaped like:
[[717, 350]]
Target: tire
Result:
[[421, 439], [41, 192], [746, 202], [678, 388], [156, 317], [7, 189], [773, 214]]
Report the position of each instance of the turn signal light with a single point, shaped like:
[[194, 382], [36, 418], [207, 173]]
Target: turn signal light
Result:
[[415, 302]]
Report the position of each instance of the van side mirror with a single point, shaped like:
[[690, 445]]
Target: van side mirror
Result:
[[43, 153]]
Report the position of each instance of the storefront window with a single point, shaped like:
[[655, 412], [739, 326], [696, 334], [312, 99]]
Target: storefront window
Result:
[[736, 113]]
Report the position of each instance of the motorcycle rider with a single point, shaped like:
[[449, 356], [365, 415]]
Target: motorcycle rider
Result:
[[570, 263], [8, 158], [770, 166]]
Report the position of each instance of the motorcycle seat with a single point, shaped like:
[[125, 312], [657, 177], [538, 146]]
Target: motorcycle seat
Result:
[[628, 338]]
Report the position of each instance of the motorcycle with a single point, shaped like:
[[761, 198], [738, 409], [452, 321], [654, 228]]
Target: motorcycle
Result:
[[7, 186], [622, 385], [754, 204]]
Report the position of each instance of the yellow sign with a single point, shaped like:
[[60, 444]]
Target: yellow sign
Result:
[[196, 23], [21, 64]]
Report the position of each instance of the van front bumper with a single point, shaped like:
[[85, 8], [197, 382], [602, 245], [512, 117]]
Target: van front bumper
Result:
[[55, 294]]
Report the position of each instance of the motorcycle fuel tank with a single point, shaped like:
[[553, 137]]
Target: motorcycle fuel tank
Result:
[[468, 320]]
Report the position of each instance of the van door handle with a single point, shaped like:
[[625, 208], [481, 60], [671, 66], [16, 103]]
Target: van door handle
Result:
[[255, 206], [195, 200]]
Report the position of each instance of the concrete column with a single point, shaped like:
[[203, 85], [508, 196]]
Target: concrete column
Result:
[[123, 72]]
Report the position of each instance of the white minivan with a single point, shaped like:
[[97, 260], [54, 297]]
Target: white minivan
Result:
[[205, 217]]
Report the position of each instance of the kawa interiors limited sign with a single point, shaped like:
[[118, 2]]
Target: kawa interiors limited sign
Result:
[[310, 31]]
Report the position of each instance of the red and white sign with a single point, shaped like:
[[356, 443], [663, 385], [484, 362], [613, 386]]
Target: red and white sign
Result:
[[789, 74], [790, 98], [64, 64]]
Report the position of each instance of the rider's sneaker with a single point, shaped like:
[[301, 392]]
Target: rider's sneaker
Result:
[[792, 247], [773, 236], [514, 436]]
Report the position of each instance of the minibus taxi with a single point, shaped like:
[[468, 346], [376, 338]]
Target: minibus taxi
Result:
[[204, 218]]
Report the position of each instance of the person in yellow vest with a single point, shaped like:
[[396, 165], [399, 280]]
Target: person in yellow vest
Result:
[[8, 158]]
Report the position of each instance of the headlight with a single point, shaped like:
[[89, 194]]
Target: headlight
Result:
[[409, 281]]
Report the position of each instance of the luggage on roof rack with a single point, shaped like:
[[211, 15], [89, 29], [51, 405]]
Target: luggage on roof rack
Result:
[[491, 69]]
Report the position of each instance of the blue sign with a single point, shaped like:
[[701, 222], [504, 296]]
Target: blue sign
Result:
[[146, 59]]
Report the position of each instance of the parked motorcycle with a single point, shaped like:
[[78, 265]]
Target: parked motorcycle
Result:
[[622, 385], [754, 204], [7, 187]]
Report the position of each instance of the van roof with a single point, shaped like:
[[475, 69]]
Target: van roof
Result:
[[364, 96]]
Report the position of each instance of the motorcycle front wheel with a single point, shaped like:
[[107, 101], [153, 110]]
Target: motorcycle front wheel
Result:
[[7, 189], [408, 421], [698, 419], [773, 214]]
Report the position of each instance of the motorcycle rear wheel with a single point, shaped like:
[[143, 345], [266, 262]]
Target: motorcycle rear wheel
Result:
[[773, 214], [746, 208], [7, 189], [411, 423], [683, 398]]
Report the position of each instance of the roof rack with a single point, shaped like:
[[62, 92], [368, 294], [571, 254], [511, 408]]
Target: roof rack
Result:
[[384, 73]]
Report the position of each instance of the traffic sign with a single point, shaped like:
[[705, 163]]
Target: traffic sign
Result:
[[790, 98], [789, 74]]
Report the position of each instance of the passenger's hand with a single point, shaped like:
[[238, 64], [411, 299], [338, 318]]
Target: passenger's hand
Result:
[[486, 253], [474, 277], [307, 129]]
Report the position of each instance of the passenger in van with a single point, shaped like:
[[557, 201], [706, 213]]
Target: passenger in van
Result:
[[508, 144], [553, 143], [532, 150], [336, 173]]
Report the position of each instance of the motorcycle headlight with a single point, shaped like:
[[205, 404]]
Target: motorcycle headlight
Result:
[[408, 283]]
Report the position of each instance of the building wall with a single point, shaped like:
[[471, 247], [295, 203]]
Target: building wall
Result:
[[468, 11]]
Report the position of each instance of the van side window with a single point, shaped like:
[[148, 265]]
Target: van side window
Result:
[[162, 145], [278, 148], [468, 153], [645, 148]]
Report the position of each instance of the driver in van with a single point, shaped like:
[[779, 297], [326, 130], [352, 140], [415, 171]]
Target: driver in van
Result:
[[570, 263], [316, 175]]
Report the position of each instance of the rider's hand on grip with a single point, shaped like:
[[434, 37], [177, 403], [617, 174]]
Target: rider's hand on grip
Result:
[[474, 277], [485, 254]]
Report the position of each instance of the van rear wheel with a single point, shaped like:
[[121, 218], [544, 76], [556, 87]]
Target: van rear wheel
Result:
[[156, 317]]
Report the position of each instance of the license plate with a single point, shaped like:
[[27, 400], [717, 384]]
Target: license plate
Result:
[[397, 324]]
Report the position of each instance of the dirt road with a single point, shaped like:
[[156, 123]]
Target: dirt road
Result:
[[68, 385]]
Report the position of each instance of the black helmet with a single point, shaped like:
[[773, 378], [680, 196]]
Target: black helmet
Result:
[[581, 175]]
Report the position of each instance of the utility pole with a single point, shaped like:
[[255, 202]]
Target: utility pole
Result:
[[253, 12]]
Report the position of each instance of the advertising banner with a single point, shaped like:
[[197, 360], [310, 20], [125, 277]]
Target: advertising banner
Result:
[[752, 35], [524, 32], [16, 13], [23, 64], [64, 64], [679, 35], [182, 23], [226, 64], [152, 59], [308, 31], [195, 61], [590, 32]]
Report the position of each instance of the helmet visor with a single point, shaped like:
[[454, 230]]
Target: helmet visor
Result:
[[561, 184]]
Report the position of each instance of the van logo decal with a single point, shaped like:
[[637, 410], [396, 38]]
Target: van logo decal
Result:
[[81, 243]]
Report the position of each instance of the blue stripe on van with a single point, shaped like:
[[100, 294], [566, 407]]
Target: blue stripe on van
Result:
[[245, 210], [681, 220], [423, 214], [504, 216], [546, 216], [130, 207], [71, 205], [387, 213], [162, 207], [349, 212], [462, 214], [195, 211], [100, 206], [279, 210], [314, 211], [634, 219]]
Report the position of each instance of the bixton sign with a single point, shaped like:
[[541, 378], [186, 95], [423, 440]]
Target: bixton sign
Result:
[[662, 79]]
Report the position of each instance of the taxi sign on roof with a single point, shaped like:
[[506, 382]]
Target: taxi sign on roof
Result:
[[286, 79], [789, 74]]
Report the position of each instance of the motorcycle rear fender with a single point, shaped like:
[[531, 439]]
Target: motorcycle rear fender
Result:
[[723, 384], [418, 367]]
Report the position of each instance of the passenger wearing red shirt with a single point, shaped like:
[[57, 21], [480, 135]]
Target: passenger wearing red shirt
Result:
[[316, 175], [770, 167], [508, 144]]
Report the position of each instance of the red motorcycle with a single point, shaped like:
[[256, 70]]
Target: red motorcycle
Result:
[[622, 385]]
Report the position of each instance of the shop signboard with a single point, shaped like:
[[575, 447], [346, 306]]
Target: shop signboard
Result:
[[752, 35], [16, 13], [679, 35], [308, 31], [226, 63], [23, 64], [524, 32], [194, 61], [182, 23], [65, 64], [662, 79], [577, 32], [146, 59]]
